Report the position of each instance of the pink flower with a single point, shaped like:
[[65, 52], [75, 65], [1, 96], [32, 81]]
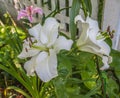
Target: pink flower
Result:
[[29, 12]]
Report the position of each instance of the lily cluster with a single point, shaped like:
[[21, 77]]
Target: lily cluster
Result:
[[45, 43]]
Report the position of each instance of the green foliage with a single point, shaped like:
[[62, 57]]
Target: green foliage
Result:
[[74, 77], [116, 63], [78, 78], [74, 12], [112, 88]]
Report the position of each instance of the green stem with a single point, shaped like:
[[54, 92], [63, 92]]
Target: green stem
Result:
[[84, 7], [35, 86], [100, 12], [103, 81]]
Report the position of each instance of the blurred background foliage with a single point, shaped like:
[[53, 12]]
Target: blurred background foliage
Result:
[[79, 74]]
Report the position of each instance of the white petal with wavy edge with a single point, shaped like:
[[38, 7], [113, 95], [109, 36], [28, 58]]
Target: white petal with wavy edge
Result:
[[53, 63], [105, 49], [83, 36], [79, 17], [43, 37], [85, 43], [62, 43], [93, 26], [35, 31], [27, 50], [50, 28], [105, 63], [29, 66], [46, 68]]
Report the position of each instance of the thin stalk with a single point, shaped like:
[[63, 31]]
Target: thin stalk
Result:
[[84, 7], [100, 12], [35, 86], [103, 81]]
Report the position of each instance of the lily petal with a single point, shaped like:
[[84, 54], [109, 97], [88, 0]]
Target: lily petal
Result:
[[37, 10], [93, 26], [79, 17], [46, 68], [29, 66], [35, 31], [104, 47], [53, 63], [21, 14], [30, 18], [50, 28], [43, 37], [62, 43], [84, 34], [105, 62], [27, 50]]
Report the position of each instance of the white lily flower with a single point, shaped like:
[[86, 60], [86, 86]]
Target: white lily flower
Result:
[[43, 48], [88, 42]]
